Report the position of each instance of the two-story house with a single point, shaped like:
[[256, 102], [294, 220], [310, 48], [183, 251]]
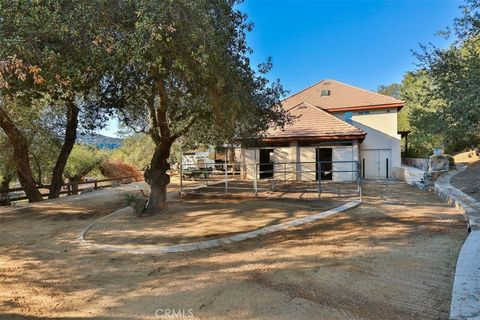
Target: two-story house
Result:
[[336, 122]]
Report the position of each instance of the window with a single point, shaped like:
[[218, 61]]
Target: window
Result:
[[364, 112], [347, 117], [325, 93]]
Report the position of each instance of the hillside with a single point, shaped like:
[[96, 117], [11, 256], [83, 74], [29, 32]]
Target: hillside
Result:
[[100, 141]]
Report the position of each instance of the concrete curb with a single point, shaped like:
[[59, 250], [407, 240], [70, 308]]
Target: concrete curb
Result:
[[209, 243], [466, 283]]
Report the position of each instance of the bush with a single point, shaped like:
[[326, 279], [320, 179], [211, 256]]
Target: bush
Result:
[[451, 161], [117, 169], [137, 202]]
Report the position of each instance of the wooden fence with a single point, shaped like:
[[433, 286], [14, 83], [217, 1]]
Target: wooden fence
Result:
[[70, 188]]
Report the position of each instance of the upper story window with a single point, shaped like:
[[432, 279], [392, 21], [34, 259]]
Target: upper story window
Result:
[[325, 93], [347, 117]]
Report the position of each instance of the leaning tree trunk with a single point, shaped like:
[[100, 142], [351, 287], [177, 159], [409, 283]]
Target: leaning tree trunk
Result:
[[68, 143], [158, 179], [21, 156]]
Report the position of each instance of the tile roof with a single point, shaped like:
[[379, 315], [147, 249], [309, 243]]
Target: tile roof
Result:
[[342, 95], [311, 121]]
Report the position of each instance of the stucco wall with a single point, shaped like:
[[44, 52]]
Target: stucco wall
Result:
[[307, 154], [381, 128], [344, 153], [285, 159]]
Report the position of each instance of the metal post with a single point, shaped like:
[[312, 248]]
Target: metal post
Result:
[[359, 180], [255, 186], [181, 178], [319, 179], [226, 174]]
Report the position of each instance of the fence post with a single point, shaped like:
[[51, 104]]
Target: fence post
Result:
[[359, 180], [181, 178], [95, 185], [285, 182], [226, 175], [255, 186]]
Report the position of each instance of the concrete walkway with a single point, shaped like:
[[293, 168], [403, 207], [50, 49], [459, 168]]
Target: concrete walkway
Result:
[[466, 284]]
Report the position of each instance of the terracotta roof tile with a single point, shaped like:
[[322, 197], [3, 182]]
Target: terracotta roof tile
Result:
[[342, 95], [311, 121]]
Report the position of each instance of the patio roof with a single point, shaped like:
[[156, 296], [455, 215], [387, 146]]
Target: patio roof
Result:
[[313, 123]]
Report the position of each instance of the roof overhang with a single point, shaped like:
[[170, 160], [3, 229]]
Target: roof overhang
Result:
[[360, 138], [378, 106]]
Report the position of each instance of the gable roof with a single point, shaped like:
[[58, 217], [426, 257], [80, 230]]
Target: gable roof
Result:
[[342, 97], [313, 122]]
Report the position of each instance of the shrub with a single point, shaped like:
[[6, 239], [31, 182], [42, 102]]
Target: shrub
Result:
[[451, 161], [137, 202], [117, 169]]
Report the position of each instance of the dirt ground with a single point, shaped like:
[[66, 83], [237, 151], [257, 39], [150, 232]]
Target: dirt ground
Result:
[[466, 157], [392, 257], [468, 180], [196, 218], [276, 189]]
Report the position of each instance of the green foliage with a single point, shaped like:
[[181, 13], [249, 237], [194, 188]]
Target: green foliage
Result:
[[185, 72], [82, 161], [7, 168], [453, 75], [136, 150], [392, 90], [419, 115], [137, 202], [451, 161]]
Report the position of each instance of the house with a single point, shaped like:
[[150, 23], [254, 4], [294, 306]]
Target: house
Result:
[[345, 128]]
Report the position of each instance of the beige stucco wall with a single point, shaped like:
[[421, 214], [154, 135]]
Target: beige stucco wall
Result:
[[381, 128], [344, 153], [286, 162]]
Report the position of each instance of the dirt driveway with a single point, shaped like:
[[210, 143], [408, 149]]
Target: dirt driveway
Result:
[[390, 258]]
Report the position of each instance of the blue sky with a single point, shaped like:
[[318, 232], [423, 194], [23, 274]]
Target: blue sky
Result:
[[363, 43]]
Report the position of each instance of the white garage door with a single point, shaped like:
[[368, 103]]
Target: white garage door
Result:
[[376, 163]]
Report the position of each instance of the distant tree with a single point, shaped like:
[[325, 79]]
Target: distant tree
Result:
[[185, 72], [136, 150], [420, 114], [392, 90], [83, 160]]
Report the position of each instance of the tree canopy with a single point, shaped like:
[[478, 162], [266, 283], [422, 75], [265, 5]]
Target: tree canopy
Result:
[[184, 71]]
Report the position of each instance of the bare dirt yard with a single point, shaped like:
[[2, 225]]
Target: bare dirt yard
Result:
[[392, 257], [468, 180], [194, 219]]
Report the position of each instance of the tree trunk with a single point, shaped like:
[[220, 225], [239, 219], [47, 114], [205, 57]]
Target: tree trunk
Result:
[[4, 196], [21, 156], [158, 179], [69, 141]]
